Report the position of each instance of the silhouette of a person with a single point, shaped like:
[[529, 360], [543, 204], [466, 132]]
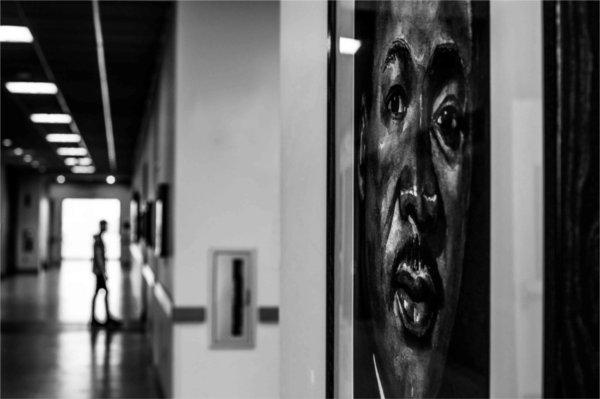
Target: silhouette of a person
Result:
[[99, 269]]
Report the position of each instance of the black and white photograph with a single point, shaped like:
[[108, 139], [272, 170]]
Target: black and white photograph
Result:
[[421, 92], [261, 199]]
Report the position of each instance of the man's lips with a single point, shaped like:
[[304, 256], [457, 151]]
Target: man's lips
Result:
[[416, 297]]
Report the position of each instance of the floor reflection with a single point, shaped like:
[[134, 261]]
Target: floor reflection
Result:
[[48, 349]]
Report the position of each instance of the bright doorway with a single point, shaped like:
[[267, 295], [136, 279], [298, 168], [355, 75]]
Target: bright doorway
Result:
[[80, 220]]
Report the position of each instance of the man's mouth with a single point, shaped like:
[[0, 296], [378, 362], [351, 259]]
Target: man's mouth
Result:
[[416, 291]]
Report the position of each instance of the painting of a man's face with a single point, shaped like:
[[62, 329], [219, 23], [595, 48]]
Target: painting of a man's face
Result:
[[416, 154]]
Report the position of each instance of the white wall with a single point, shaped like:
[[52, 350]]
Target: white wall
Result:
[[303, 197], [4, 221], [227, 184], [516, 199]]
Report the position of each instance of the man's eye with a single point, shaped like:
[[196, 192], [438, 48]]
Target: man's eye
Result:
[[447, 121], [396, 103]]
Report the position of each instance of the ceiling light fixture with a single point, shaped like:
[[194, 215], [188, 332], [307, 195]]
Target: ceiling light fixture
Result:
[[31, 87], [27, 158], [18, 151], [110, 179], [60, 179], [15, 34], [51, 118], [7, 142], [349, 46], [83, 169], [71, 151], [85, 161], [71, 161], [63, 138]]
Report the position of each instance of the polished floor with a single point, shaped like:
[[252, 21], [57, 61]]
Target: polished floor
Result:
[[48, 349]]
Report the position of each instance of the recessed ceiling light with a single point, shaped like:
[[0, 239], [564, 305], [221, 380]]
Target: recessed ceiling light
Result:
[[15, 34], [71, 151], [7, 142], [51, 118], [35, 164], [18, 151], [83, 169], [31, 87], [27, 158], [63, 138], [110, 179], [60, 179], [348, 45]]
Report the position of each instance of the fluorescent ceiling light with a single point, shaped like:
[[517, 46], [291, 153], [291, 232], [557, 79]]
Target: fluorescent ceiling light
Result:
[[51, 118], [85, 161], [78, 161], [71, 151], [60, 179], [15, 34], [7, 142], [63, 138], [71, 161], [349, 46], [27, 158], [83, 169], [18, 151], [110, 179], [31, 87]]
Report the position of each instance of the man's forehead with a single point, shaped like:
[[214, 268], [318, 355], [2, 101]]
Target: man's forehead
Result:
[[424, 25]]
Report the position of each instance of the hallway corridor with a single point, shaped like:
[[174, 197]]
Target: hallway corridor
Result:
[[48, 349]]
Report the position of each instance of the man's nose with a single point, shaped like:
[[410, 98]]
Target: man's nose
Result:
[[419, 192]]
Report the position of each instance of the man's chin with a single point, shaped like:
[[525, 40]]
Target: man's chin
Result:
[[415, 372]]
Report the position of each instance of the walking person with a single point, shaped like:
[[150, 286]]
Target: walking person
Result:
[[99, 269]]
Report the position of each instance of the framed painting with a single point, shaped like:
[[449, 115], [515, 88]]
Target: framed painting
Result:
[[161, 221], [134, 217], [409, 191]]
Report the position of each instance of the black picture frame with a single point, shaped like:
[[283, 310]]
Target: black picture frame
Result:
[[149, 224], [571, 355], [161, 221], [330, 202], [135, 217]]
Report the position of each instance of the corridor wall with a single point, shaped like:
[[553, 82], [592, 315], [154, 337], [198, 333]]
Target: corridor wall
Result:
[[4, 222], [212, 133], [227, 185], [303, 203], [153, 162]]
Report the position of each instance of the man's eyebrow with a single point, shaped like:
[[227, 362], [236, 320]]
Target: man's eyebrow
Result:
[[399, 50], [446, 63]]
